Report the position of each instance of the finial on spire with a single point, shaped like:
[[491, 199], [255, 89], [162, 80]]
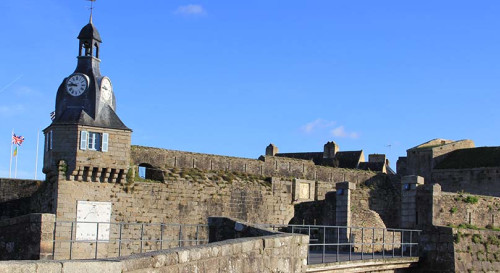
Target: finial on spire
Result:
[[91, 9]]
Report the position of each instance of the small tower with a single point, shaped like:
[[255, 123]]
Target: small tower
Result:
[[330, 149], [271, 150], [86, 133]]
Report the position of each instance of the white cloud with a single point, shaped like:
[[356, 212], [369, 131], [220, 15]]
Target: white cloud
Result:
[[27, 91], [316, 124], [341, 132], [190, 10], [11, 110]]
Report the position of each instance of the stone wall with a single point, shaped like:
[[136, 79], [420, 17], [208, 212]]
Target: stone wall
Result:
[[12, 189], [265, 166], [483, 181], [22, 197], [466, 209], [187, 197], [477, 250], [264, 251], [422, 159], [27, 237], [437, 250]]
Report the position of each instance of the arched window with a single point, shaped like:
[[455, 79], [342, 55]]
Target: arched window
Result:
[[148, 172], [96, 50]]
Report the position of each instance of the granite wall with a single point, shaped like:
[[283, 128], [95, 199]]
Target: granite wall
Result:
[[476, 250], [482, 181], [262, 251], [27, 237], [466, 209], [265, 166]]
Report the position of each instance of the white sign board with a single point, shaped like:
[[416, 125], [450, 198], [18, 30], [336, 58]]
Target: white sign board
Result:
[[95, 213]]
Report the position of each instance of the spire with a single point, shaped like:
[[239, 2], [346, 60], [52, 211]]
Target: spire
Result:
[[91, 10]]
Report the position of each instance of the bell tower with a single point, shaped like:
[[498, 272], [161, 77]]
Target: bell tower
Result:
[[86, 135]]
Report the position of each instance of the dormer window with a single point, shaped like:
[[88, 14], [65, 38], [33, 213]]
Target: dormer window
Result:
[[94, 141]]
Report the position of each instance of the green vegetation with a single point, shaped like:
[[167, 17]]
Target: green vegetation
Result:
[[476, 238], [453, 210], [471, 199], [457, 237], [490, 226]]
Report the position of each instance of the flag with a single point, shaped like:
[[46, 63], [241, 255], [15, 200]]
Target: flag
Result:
[[17, 140], [52, 115], [15, 151]]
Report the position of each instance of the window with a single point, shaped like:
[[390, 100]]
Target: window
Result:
[[94, 141], [48, 141]]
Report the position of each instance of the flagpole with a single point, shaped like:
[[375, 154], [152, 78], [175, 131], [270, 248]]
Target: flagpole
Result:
[[15, 173], [37, 144], [10, 163]]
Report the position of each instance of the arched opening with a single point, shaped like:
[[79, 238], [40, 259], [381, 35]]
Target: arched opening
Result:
[[88, 49], [148, 172], [96, 50]]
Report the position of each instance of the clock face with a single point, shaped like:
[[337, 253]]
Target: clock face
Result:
[[106, 89], [77, 84]]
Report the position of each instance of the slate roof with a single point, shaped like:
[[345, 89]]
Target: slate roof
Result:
[[348, 159], [471, 158], [106, 118], [316, 157], [89, 32], [372, 166]]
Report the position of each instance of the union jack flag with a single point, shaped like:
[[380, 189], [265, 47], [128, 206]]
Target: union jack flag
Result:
[[17, 140]]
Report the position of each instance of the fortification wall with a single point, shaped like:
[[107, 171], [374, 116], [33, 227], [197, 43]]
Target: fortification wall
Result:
[[438, 152], [183, 200], [476, 250], [466, 209], [259, 251], [11, 189], [27, 237], [269, 166], [189, 199], [482, 181], [20, 197]]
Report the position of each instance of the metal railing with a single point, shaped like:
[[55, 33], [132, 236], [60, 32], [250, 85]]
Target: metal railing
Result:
[[95, 240], [340, 243]]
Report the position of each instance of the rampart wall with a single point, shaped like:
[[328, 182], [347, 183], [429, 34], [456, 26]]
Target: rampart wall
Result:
[[476, 250], [483, 181], [28, 237], [20, 197], [255, 250], [12, 189], [189, 197], [466, 209], [269, 166]]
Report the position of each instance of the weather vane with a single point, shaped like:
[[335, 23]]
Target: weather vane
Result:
[[91, 8]]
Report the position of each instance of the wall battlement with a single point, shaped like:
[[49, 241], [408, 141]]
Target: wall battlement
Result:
[[270, 166]]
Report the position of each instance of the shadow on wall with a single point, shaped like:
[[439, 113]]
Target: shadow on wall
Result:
[[149, 172], [321, 212], [385, 198]]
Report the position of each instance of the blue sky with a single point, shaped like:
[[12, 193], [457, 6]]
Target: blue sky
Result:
[[230, 77]]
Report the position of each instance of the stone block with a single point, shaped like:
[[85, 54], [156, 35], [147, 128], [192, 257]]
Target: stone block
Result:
[[49, 267], [137, 263], [17, 267], [92, 266]]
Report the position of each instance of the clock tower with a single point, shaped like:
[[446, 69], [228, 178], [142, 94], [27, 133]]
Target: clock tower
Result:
[[86, 138]]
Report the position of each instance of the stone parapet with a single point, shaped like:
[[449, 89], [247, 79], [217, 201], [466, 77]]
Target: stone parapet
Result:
[[28, 237]]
